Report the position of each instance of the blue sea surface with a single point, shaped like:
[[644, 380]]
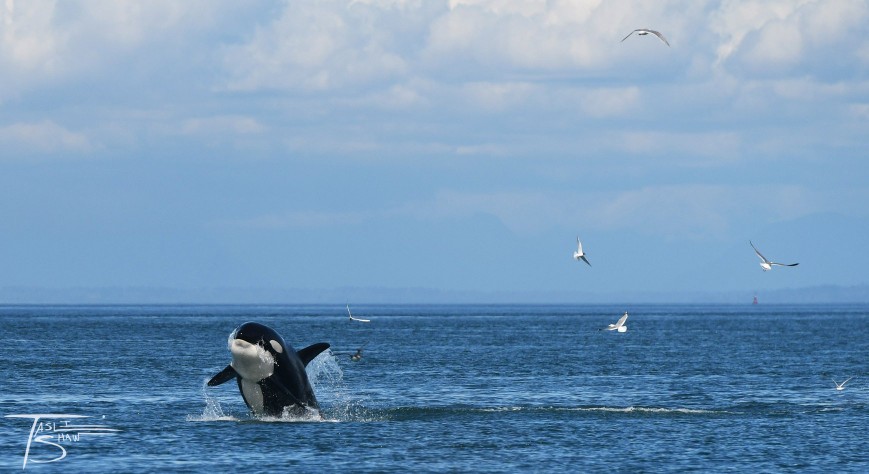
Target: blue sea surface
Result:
[[443, 388]]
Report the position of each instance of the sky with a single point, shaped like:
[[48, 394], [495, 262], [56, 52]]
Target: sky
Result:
[[457, 145]]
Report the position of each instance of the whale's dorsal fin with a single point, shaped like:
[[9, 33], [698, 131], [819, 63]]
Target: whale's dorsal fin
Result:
[[307, 354], [225, 375]]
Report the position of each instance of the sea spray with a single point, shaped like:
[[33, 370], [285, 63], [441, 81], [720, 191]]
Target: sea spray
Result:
[[212, 410], [327, 380]]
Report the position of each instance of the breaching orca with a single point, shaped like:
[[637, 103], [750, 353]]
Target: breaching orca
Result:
[[270, 374]]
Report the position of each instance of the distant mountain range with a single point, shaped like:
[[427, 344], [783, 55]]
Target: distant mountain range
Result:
[[341, 296]]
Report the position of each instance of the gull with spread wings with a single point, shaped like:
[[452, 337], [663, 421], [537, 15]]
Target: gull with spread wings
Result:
[[619, 325], [766, 264], [841, 386], [646, 31], [356, 319]]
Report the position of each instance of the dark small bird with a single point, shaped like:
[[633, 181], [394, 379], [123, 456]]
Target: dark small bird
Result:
[[358, 355]]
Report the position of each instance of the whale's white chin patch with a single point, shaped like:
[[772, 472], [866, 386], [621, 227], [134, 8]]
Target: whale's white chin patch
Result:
[[251, 361]]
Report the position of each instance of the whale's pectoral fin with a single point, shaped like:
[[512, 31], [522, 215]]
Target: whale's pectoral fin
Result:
[[225, 375], [307, 354]]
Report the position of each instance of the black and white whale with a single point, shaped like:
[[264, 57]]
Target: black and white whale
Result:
[[270, 373]]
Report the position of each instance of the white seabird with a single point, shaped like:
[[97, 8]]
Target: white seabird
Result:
[[579, 254], [765, 264], [619, 325], [356, 319], [645, 31], [841, 386]]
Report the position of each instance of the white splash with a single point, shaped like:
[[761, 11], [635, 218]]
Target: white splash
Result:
[[327, 380], [212, 411]]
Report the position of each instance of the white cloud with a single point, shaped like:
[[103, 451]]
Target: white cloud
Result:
[[776, 35], [390, 74], [860, 110], [48, 42], [670, 211], [30, 40], [735, 19], [316, 46], [332, 45], [41, 137], [610, 101], [526, 35], [522, 212], [487, 149], [222, 124], [690, 149], [498, 96], [296, 220]]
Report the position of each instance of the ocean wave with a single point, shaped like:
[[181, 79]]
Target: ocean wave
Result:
[[632, 409], [405, 413], [605, 409], [205, 418]]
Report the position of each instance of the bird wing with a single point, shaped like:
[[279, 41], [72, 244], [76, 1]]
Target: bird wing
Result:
[[784, 264], [578, 246], [846, 381], [758, 253], [356, 319], [622, 320], [659, 35], [585, 260], [629, 34]]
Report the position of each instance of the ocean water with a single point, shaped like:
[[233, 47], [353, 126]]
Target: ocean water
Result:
[[442, 388]]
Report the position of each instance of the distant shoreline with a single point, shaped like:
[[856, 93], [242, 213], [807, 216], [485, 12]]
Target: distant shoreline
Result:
[[830, 294]]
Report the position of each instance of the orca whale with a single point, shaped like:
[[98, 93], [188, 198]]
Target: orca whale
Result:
[[270, 373]]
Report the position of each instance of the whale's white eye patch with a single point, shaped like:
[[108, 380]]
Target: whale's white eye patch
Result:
[[276, 346]]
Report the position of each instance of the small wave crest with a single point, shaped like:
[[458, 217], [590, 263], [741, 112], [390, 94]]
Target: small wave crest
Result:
[[652, 410], [604, 409], [405, 413]]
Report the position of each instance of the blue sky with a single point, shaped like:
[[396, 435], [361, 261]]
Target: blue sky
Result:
[[458, 145]]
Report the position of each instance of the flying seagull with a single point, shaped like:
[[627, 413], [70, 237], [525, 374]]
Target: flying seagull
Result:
[[356, 319], [619, 325], [841, 386], [644, 31], [765, 264], [579, 254]]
